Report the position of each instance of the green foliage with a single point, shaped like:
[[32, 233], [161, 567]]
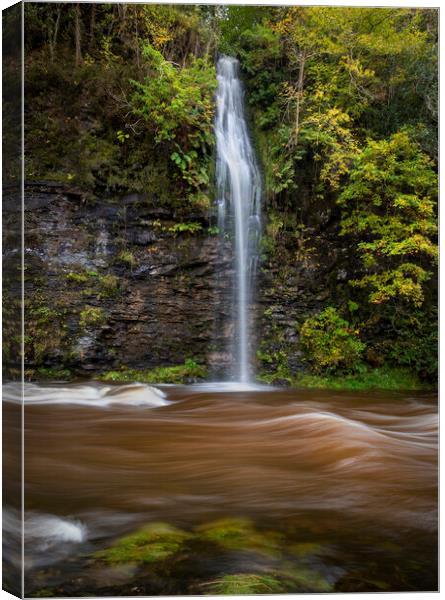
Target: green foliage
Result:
[[53, 373], [279, 360], [43, 330], [416, 345], [190, 370], [191, 228], [330, 342], [343, 107], [389, 204], [319, 76], [127, 257], [177, 104], [385, 378], [90, 316], [121, 136], [78, 278], [333, 143], [109, 285], [83, 125], [103, 286]]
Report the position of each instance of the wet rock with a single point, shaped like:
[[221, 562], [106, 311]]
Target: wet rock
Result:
[[240, 534], [173, 298], [154, 543]]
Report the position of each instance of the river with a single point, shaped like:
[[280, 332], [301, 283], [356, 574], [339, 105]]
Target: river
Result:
[[342, 485]]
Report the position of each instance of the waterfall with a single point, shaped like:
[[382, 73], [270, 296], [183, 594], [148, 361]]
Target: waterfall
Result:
[[239, 203]]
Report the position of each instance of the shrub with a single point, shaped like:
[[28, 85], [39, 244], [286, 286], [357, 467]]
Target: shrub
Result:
[[91, 316], [178, 105], [389, 208], [78, 278], [109, 284], [189, 371], [127, 257], [185, 228], [330, 343]]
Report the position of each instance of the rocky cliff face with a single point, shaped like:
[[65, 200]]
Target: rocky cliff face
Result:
[[123, 283], [301, 275], [119, 283]]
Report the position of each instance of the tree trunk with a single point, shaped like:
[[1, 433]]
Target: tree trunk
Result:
[[138, 58], [93, 26], [300, 88], [77, 35], [53, 37]]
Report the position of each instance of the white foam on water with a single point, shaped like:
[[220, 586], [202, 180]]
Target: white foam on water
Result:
[[230, 386], [50, 530], [102, 396], [48, 538]]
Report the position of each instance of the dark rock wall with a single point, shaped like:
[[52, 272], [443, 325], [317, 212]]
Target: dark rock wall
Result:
[[113, 283], [299, 279]]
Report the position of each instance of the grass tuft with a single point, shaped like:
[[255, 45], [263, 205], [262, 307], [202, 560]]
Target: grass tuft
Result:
[[190, 370], [383, 378]]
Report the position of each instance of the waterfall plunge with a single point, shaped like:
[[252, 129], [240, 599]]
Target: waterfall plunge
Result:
[[239, 203]]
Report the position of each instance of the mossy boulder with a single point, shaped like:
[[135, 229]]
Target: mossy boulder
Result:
[[305, 549], [153, 543], [239, 534], [275, 582], [244, 583], [306, 579]]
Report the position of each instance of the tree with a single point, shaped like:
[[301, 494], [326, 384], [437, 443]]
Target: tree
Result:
[[389, 208], [77, 35], [177, 104]]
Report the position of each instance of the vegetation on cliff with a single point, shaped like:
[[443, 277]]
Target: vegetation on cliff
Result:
[[343, 108], [120, 97]]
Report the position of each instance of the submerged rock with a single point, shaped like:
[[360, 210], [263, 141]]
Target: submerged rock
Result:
[[240, 534], [153, 543], [243, 583]]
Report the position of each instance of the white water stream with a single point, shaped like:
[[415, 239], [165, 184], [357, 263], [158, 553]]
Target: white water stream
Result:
[[239, 203]]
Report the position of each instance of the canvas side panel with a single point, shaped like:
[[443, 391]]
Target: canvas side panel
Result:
[[12, 298]]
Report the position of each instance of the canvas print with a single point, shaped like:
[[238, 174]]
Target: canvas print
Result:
[[220, 299]]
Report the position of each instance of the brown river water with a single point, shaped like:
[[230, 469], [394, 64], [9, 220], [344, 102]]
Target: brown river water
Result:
[[344, 483]]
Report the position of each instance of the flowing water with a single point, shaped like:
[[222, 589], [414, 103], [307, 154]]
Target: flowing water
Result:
[[322, 490], [225, 487], [239, 202]]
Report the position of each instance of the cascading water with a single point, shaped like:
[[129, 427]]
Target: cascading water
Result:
[[239, 203]]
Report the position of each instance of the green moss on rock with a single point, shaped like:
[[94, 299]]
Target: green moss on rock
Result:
[[305, 549], [304, 579], [43, 593], [109, 285], [153, 543], [91, 315], [239, 534], [245, 583]]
